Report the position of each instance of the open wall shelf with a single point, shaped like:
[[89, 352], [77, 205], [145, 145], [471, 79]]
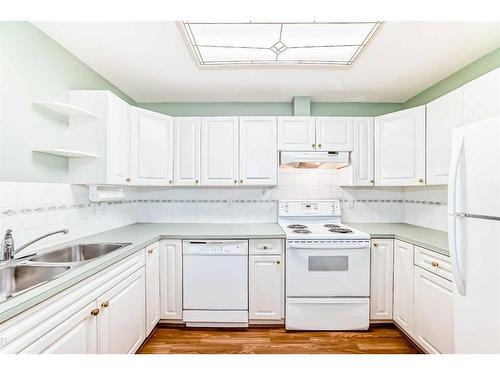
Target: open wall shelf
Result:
[[66, 109], [67, 153]]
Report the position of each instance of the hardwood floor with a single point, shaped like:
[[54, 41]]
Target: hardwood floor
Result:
[[275, 340]]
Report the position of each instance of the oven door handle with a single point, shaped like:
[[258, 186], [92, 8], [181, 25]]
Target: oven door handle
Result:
[[329, 246]]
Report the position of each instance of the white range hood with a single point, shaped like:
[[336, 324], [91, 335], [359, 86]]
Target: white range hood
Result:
[[314, 159]]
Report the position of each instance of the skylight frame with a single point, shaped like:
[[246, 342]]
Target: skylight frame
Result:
[[191, 41]]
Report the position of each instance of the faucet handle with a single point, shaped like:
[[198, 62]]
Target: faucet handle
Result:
[[7, 246]]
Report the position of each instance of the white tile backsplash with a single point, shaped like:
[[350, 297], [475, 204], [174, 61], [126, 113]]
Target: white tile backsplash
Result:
[[426, 206]]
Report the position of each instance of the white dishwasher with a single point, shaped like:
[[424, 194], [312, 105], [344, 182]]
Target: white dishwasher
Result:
[[215, 283]]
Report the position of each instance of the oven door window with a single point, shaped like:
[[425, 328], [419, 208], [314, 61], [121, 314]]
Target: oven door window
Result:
[[323, 263]]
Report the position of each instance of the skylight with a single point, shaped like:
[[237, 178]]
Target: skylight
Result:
[[278, 43]]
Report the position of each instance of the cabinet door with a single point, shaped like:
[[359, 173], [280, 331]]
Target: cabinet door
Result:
[[400, 148], [265, 284], [296, 133], [76, 335], [362, 155], [151, 148], [258, 151], [403, 285], [433, 312], [118, 138], [334, 133], [382, 258], [219, 151], [443, 115], [482, 97], [187, 148], [152, 286], [171, 280], [122, 316]]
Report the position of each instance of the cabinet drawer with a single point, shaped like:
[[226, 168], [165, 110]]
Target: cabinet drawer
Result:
[[433, 262], [266, 246]]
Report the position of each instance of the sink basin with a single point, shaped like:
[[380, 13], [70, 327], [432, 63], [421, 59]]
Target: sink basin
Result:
[[78, 253], [15, 279]]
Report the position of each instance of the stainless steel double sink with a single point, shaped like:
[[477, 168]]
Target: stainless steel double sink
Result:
[[20, 275]]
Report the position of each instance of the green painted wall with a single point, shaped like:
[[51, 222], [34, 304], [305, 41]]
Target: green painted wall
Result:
[[35, 68], [353, 109], [475, 69]]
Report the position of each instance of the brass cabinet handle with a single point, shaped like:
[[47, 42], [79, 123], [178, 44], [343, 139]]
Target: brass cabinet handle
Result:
[[278, 262], [375, 244], [319, 146], [170, 182], [373, 182], [420, 180], [314, 146], [434, 264], [150, 251], [235, 181], [264, 247], [105, 304], [94, 312], [241, 181], [196, 181], [127, 179]]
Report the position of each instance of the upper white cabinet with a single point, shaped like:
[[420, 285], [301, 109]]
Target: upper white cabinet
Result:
[[219, 151], [403, 285], [152, 141], [482, 97], [433, 312], [152, 286], [443, 114], [107, 136], [400, 148], [187, 151], [171, 279], [296, 133], [304, 133], [381, 285], [258, 154], [334, 133]]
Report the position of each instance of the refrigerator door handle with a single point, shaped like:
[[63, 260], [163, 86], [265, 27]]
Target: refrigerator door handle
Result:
[[452, 219]]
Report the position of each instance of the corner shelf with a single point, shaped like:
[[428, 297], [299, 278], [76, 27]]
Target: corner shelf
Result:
[[66, 109], [67, 153]]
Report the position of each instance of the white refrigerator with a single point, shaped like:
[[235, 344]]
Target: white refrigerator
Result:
[[474, 235]]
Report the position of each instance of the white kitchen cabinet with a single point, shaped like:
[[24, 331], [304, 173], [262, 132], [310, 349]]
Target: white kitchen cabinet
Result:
[[443, 115], [296, 133], [381, 289], [122, 316], [433, 312], [403, 285], [219, 151], [171, 279], [258, 153], [334, 133], [107, 136], [482, 97], [187, 151], [360, 172], [152, 144], [75, 335], [265, 285], [152, 286], [400, 148]]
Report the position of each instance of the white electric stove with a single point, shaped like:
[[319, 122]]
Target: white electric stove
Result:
[[327, 268]]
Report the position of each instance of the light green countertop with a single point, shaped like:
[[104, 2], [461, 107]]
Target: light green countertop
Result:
[[139, 235], [427, 238]]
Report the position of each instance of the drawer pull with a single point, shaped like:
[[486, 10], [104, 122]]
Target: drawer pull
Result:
[[94, 312], [434, 264]]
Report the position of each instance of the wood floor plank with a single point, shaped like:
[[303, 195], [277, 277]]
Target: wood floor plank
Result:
[[275, 340]]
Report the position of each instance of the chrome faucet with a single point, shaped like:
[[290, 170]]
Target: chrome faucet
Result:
[[8, 250]]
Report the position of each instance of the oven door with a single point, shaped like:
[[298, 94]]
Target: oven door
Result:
[[326, 270]]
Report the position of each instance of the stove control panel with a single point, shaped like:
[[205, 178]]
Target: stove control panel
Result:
[[309, 208]]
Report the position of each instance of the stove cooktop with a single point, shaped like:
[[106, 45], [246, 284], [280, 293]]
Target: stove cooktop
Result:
[[313, 230]]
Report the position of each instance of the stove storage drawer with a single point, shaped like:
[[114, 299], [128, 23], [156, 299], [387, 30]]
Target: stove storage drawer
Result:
[[327, 272], [330, 314], [271, 246]]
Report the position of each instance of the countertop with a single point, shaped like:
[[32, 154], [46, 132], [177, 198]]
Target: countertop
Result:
[[139, 235], [427, 238]]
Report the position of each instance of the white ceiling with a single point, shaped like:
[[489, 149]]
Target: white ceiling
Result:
[[150, 62]]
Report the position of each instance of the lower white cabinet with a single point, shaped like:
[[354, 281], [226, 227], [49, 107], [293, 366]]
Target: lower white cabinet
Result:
[[433, 312], [121, 316], [382, 258], [403, 285], [152, 286], [171, 279], [76, 335], [265, 287]]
